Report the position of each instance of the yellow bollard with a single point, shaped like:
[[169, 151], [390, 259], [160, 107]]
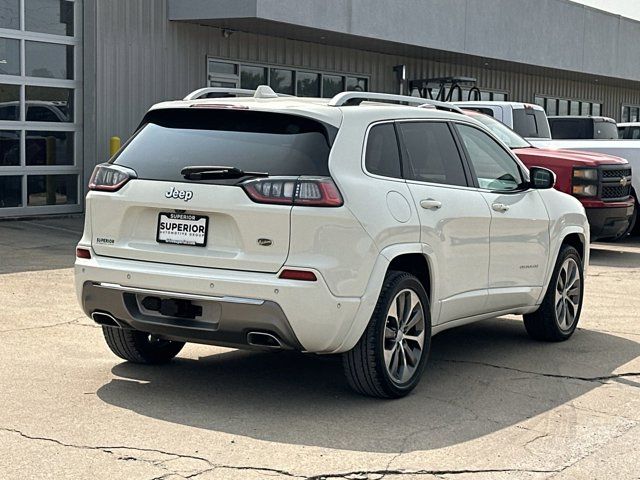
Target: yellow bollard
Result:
[[114, 145]]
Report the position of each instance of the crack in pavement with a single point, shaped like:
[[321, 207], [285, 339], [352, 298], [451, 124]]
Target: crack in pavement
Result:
[[69, 322], [111, 451], [600, 379], [464, 471], [593, 451]]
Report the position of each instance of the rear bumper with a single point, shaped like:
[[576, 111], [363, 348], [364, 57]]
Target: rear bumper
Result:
[[609, 222], [302, 315]]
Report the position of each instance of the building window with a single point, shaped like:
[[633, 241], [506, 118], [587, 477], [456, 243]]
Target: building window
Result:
[[251, 77], [10, 14], [281, 81], [308, 84], [289, 81], [631, 113], [49, 16], [40, 131], [563, 106], [332, 85], [355, 84], [462, 95], [9, 56]]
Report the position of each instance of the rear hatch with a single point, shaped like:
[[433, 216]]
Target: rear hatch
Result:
[[164, 216]]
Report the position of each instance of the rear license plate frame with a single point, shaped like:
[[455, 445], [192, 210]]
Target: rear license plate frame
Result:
[[183, 217]]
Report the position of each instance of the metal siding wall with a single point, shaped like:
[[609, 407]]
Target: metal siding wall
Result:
[[142, 59]]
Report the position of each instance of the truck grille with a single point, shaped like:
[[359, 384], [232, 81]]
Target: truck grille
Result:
[[610, 192], [619, 173], [615, 183]]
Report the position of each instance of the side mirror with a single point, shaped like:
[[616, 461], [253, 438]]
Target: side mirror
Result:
[[541, 178]]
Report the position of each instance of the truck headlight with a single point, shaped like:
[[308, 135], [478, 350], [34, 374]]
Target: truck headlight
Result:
[[585, 190], [585, 182]]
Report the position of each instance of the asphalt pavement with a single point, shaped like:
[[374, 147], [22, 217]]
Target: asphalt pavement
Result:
[[493, 404]]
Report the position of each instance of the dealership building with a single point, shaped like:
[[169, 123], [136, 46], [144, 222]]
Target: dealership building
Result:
[[74, 73]]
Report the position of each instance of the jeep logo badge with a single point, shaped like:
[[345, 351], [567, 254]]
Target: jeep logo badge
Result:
[[185, 195]]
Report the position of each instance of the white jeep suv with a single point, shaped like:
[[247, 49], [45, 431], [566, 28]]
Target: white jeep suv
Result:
[[327, 226]]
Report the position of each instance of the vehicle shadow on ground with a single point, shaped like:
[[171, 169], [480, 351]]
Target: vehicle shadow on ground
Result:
[[478, 381]]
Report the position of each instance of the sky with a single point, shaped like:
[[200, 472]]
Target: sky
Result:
[[626, 8]]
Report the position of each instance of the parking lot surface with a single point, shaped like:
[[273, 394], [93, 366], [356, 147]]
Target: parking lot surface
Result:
[[492, 404]]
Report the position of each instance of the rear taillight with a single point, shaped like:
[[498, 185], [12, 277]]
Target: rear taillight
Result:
[[110, 178], [83, 253], [307, 191]]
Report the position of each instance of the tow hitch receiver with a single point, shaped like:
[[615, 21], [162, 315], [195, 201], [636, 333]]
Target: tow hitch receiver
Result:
[[172, 307]]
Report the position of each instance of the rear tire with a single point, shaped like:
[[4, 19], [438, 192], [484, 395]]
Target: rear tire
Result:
[[558, 316], [389, 358], [140, 347]]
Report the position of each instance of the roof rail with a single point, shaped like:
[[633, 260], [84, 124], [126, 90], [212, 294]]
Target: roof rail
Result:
[[447, 107], [356, 98], [263, 91], [221, 92]]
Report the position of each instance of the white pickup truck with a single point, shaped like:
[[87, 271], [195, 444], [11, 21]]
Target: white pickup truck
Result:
[[531, 122]]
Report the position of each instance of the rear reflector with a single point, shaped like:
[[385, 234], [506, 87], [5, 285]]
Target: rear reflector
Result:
[[298, 275], [83, 253]]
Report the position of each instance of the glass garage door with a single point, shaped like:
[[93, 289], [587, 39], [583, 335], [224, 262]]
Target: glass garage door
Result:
[[40, 115]]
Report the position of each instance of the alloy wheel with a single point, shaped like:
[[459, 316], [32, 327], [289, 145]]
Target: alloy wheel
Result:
[[404, 334], [568, 292]]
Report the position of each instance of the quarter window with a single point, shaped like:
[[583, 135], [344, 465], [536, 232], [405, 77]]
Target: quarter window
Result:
[[383, 157], [432, 154], [493, 166]]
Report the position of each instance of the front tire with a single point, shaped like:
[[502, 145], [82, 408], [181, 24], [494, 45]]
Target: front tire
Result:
[[557, 317], [389, 358], [140, 347]]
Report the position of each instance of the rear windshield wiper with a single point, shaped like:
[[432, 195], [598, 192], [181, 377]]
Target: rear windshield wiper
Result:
[[217, 172]]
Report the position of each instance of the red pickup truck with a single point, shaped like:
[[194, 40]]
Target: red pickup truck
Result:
[[592, 178]]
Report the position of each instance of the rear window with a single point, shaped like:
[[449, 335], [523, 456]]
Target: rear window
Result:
[[531, 123], [606, 130], [583, 129], [571, 128], [278, 144]]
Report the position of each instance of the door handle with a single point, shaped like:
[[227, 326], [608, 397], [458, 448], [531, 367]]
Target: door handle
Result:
[[500, 207], [430, 204]]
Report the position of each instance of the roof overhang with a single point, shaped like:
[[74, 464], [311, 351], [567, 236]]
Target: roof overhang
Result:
[[562, 38]]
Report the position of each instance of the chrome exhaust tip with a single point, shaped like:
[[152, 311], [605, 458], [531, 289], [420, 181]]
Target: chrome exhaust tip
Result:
[[106, 319], [264, 340]]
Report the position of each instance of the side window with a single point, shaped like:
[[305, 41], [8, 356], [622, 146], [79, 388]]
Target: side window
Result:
[[432, 154], [383, 156], [494, 167]]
